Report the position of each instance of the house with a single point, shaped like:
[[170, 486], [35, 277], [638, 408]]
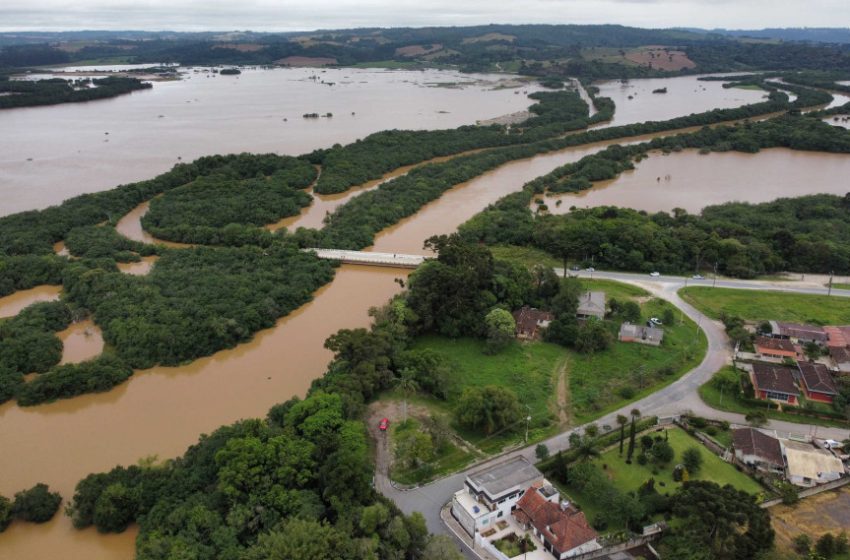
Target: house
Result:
[[563, 529], [839, 337], [775, 348], [816, 382], [491, 493], [806, 465], [591, 304], [799, 334], [641, 334], [758, 450], [776, 383], [530, 322], [841, 358]]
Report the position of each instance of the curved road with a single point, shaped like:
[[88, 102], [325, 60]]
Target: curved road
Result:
[[678, 397]]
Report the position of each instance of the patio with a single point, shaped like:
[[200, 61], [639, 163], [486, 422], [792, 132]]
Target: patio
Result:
[[513, 527]]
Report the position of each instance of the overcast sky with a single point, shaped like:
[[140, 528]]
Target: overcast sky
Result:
[[289, 15]]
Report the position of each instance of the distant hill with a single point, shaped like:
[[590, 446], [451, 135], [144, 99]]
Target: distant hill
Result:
[[809, 34], [587, 51]]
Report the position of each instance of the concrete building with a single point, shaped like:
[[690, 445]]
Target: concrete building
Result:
[[591, 304], [807, 465], [491, 493], [641, 334]]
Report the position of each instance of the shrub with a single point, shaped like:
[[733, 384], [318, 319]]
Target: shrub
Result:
[[37, 504]]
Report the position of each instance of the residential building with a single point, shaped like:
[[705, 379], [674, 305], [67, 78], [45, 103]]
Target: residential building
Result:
[[838, 336], [641, 334], [563, 529], [807, 465], [591, 304], [841, 358], [776, 383], [799, 334], [816, 382], [530, 322], [776, 348], [491, 493], [758, 450]]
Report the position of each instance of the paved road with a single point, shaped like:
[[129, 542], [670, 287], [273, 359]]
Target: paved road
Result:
[[678, 397]]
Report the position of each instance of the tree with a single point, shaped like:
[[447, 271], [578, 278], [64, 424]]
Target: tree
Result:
[[631, 441], [662, 452], [491, 408], [413, 447], [592, 337], [38, 504], [622, 421], [692, 459], [407, 384], [5, 512], [813, 351], [501, 329], [802, 543], [825, 546], [756, 418], [441, 547], [789, 493], [586, 449], [541, 452], [116, 508], [592, 430], [668, 317], [303, 539]]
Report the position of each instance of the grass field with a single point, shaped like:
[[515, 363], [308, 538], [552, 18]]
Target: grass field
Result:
[[447, 458], [528, 256], [629, 477], [596, 380], [756, 305], [816, 515]]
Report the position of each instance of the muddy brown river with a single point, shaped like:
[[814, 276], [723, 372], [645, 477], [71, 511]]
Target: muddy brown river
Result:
[[692, 181], [163, 410]]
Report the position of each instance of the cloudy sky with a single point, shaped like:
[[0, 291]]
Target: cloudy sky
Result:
[[287, 15]]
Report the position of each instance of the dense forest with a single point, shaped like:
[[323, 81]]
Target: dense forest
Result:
[[52, 91]]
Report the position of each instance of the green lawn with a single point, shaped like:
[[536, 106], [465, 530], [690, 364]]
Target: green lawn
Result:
[[711, 396], [528, 256], [601, 382], [527, 369], [756, 305], [628, 478]]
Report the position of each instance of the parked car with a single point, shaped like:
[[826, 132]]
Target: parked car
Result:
[[385, 423], [654, 322], [698, 277], [590, 269], [655, 274]]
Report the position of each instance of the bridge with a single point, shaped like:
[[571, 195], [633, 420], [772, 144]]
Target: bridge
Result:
[[396, 260]]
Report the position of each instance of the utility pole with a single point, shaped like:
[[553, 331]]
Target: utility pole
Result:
[[831, 273], [714, 282]]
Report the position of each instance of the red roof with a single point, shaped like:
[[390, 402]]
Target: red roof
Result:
[[565, 529], [782, 344], [528, 319], [778, 379], [817, 378]]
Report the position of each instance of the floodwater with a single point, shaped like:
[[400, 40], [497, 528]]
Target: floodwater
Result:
[[843, 121], [130, 226], [692, 181], [685, 95], [162, 411], [143, 134], [80, 342], [12, 304], [138, 268]]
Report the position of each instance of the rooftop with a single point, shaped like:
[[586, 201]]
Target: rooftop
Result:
[[495, 480], [565, 527], [840, 355], [641, 331], [528, 319], [779, 379], [775, 344], [808, 461], [817, 378], [750, 441], [796, 330], [591, 303]]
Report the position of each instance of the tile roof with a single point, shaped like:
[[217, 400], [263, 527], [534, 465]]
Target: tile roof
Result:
[[817, 378], [838, 336], [840, 355], [591, 303], [775, 344], [528, 319], [778, 379], [566, 528], [806, 332], [750, 441]]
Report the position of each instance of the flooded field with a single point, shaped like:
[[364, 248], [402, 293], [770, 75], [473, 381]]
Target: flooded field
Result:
[[10, 305]]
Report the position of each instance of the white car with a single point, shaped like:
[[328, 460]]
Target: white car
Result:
[[698, 277], [655, 274], [590, 269], [655, 322]]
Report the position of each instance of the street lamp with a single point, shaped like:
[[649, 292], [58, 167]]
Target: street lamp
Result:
[[527, 421]]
